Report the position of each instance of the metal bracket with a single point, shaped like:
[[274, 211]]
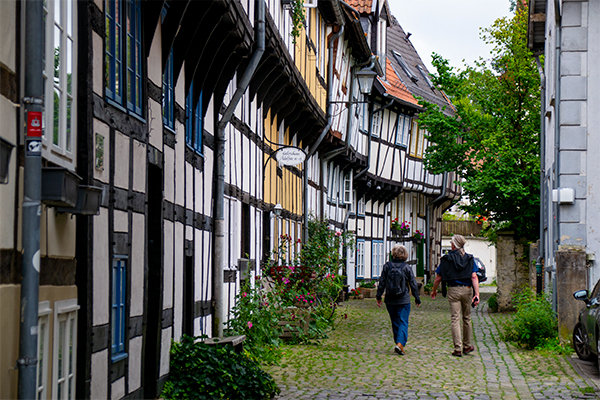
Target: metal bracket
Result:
[[27, 361]]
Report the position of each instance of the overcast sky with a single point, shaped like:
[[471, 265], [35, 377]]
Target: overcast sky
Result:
[[448, 27]]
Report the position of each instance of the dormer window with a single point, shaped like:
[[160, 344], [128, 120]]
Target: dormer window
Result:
[[404, 66], [425, 76]]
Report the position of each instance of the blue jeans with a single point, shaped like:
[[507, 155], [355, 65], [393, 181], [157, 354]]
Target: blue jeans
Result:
[[399, 315]]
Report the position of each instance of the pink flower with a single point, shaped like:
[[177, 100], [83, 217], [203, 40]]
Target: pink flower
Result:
[[249, 324], [338, 233], [244, 294]]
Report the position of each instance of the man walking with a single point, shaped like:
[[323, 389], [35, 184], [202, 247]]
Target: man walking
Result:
[[458, 271]]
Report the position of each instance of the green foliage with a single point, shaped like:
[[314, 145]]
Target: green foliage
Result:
[[367, 284], [298, 16], [492, 137], [493, 303], [534, 325], [200, 371]]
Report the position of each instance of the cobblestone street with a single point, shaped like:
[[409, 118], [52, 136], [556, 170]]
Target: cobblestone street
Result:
[[358, 362]]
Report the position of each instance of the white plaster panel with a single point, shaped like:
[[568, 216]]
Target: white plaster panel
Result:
[[574, 39], [169, 174], [570, 162], [571, 14], [137, 264], [178, 281], [135, 363], [121, 160], [139, 166], [7, 192], [168, 265], [155, 124], [165, 346], [208, 172], [246, 171], [180, 90], [120, 221], [8, 20], [189, 232], [155, 60], [573, 137], [60, 234], [179, 166], [102, 172], [571, 112], [571, 212], [189, 186], [98, 63], [101, 269], [198, 200], [117, 389], [573, 234], [98, 375], [202, 264], [209, 122], [573, 87]]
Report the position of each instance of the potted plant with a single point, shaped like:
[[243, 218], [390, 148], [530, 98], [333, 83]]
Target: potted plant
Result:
[[355, 294], [401, 229], [418, 236], [368, 289]]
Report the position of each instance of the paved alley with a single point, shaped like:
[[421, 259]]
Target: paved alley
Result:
[[357, 361]]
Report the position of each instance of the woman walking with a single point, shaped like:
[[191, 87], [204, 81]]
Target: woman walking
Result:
[[395, 280]]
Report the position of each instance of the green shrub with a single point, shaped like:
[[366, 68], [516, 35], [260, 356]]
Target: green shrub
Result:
[[534, 322], [367, 284], [200, 371], [493, 303]]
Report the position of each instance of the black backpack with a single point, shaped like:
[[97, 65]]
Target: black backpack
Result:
[[395, 283]]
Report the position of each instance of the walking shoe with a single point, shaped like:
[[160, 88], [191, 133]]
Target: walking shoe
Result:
[[468, 350], [457, 353], [399, 349]]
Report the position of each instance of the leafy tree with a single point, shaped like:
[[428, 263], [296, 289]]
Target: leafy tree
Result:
[[492, 137]]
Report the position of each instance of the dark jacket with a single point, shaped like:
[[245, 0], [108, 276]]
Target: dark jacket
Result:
[[456, 267], [400, 298]]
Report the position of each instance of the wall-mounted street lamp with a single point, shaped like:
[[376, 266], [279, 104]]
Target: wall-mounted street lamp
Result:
[[365, 77], [277, 210]]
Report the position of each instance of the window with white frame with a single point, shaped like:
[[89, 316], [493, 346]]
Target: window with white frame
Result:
[[414, 138], [360, 208], [360, 258], [44, 312], [404, 66], [348, 188], [65, 349], [402, 129], [377, 258], [364, 117], [376, 124], [425, 76], [420, 143], [59, 60], [119, 291]]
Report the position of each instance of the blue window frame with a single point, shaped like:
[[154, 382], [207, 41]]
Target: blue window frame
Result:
[[193, 121], [123, 69], [119, 291], [168, 94]]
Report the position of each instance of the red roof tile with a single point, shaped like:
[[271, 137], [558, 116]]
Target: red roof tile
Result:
[[362, 6], [394, 85]]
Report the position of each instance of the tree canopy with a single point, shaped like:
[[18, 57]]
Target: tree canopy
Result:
[[492, 140]]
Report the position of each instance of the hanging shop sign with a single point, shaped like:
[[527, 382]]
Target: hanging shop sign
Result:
[[290, 155]]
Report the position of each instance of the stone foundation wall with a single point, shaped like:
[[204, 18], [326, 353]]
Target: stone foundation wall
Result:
[[512, 269], [571, 275]]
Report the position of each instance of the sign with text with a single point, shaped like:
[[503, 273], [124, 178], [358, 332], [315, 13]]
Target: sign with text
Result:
[[290, 155], [34, 124]]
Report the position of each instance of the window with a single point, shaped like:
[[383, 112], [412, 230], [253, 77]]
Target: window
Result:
[[360, 208], [402, 129], [414, 137], [194, 123], [377, 258], [119, 290], [123, 74], [44, 312], [360, 258], [168, 106], [65, 345], [60, 81], [420, 143], [364, 117], [376, 124], [425, 76], [404, 66], [348, 188], [381, 41]]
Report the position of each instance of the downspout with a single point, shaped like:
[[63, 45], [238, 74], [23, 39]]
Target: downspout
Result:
[[555, 181], [220, 243], [540, 258], [433, 203], [313, 149]]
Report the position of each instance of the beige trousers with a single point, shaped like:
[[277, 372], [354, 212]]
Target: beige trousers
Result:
[[460, 303]]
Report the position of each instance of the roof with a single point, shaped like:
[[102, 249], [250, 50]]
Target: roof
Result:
[[394, 86], [413, 74], [362, 6]]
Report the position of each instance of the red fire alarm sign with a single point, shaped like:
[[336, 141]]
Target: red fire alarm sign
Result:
[[34, 124]]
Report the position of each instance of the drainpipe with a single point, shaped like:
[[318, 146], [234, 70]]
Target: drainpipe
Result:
[[313, 149], [555, 181], [540, 258], [33, 103], [364, 171], [433, 203], [220, 242]]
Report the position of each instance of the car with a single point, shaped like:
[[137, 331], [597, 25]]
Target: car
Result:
[[586, 333]]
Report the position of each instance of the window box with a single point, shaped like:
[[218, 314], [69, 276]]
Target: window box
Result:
[[59, 187]]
